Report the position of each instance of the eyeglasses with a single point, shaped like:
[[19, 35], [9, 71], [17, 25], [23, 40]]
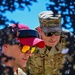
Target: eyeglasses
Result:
[[51, 33], [25, 48]]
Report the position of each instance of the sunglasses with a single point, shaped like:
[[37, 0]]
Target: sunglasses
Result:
[[25, 48], [53, 33]]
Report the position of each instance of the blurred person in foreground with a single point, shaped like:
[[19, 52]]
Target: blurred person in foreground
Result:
[[19, 42], [50, 59]]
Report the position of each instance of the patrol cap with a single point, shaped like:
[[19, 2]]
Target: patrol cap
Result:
[[50, 21]]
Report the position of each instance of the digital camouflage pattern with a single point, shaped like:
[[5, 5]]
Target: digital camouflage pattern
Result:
[[46, 63], [52, 61], [50, 21]]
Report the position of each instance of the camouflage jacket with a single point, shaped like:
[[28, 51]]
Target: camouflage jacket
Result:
[[45, 62], [52, 62]]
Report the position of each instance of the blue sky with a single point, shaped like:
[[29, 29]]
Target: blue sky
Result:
[[30, 18], [26, 17]]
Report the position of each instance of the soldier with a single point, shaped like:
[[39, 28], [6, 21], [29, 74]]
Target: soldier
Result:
[[19, 42], [50, 59]]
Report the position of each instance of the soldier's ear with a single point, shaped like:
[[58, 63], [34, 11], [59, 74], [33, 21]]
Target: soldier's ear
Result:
[[39, 30]]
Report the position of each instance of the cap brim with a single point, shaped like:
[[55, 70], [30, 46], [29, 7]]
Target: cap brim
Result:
[[50, 29], [32, 42]]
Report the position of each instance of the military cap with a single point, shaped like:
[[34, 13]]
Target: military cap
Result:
[[50, 21]]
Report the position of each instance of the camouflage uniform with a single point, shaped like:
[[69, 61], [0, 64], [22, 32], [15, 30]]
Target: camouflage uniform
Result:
[[47, 62], [52, 61]]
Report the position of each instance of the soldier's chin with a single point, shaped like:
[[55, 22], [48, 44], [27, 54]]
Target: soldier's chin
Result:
[[53, 44], [23, 65]]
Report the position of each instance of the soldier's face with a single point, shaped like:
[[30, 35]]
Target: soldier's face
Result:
[[50, 40]]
